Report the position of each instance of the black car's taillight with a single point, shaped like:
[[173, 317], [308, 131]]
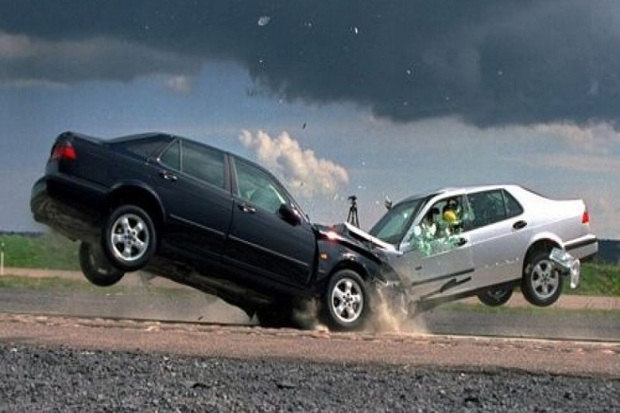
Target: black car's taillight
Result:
[[63, 151]]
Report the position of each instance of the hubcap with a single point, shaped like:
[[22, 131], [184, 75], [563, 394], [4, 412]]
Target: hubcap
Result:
[[347, 300], [545, 279], [129, 237]]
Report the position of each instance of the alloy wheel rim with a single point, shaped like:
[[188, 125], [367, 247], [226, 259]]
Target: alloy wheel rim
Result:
[[347, 300], [129, 237], [545, 279]]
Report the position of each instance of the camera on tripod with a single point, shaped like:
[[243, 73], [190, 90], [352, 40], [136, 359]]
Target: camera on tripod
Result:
[[352, 218]]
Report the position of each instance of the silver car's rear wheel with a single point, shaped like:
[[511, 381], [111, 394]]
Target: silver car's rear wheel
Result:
[[542, 282], [346, 301]]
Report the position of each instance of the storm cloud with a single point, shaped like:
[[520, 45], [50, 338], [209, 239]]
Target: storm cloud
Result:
[[488, 62]]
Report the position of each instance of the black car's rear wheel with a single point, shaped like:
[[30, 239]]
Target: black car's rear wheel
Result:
[[542, 282], [128, 238], [96, 267], [346, 302]]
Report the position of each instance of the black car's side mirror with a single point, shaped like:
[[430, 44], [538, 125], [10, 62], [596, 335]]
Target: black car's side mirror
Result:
[[289, 214]]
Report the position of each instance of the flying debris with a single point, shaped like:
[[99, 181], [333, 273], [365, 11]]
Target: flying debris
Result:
[[264, 20]]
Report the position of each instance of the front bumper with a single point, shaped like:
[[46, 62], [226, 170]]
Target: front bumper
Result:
[[567, 265]]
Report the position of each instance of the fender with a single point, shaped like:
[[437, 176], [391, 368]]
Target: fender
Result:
[[336, 251], [545, 236], [131, 185]]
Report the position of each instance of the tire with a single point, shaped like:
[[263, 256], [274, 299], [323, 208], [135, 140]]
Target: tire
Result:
[[496, 297], [542, 282], [129, 238], [346, 302], [96, 267]]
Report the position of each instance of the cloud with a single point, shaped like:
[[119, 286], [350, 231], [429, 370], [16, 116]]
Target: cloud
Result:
[[592, 138], [492, 63], [300, 168], [179, 84], [31, 60]]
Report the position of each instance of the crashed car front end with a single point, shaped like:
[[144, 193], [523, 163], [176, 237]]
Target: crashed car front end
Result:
[[346, 245], [567, 265]]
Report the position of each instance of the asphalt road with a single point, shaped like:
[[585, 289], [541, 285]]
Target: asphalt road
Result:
[[528, 322]]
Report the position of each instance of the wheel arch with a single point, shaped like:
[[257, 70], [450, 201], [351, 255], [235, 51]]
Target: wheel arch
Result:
[[140, 195], [543, 243]]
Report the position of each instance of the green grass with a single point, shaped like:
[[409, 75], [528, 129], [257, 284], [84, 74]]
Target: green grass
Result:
[[53, 251], [82, 285], [49, 251], [598, 279]]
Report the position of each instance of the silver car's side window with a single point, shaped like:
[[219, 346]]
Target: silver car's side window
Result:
[[437, 230], [493, 206]]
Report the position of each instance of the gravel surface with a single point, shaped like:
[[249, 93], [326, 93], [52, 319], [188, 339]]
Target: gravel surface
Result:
[[37, 378]]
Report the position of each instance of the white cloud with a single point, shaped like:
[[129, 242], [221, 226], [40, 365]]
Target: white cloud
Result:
[[301, 170]]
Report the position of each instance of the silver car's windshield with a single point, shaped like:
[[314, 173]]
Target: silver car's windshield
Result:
[[392, 227]]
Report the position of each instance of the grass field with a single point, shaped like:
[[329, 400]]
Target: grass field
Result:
[[53, 251]]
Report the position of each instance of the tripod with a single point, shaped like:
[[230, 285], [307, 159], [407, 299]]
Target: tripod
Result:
[[352, 218]]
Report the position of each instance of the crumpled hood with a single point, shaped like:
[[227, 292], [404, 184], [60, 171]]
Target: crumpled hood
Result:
[[354, 237]]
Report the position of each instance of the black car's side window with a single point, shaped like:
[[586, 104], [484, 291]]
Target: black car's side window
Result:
[[489, 207], [144, 148], [172, 156], [204, 163], [259, 188]]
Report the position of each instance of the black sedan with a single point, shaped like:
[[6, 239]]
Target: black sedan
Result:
[[205, 218]]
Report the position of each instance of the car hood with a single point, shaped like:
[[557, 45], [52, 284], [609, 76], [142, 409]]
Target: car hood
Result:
[[356, 238]]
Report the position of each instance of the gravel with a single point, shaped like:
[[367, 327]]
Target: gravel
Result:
[[52, 379]]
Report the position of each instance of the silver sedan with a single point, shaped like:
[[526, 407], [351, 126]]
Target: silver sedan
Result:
[[484, 241]]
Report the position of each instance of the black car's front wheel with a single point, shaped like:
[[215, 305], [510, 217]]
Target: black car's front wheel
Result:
[[542, 282], [346, 302], [96, 267], [128, 237]]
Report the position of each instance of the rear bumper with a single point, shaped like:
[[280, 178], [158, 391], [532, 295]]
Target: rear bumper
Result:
[[65, 206], [583, 247]]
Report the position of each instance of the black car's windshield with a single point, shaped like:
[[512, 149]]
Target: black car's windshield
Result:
[[392, 227]]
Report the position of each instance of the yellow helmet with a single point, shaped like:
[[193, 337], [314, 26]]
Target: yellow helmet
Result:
[[450, 216]]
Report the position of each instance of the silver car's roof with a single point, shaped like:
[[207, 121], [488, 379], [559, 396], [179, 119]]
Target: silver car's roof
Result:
[[459, 190]]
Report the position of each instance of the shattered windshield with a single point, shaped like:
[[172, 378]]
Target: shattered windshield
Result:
[[392, 227]]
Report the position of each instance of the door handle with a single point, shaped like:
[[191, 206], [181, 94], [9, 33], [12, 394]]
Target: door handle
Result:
[[168, 176], [247, 208], [519, 224]]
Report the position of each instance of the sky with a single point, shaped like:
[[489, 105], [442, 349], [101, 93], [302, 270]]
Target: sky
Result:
[[368, 98]]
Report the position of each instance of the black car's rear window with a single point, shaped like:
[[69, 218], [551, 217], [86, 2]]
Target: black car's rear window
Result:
[[144, 147]]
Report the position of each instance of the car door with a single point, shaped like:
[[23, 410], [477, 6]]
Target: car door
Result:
[[499, 234], [261, 240], [436, 252], [191, 180]]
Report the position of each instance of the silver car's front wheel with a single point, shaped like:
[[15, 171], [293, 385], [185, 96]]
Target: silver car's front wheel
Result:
[[542, 282], [496, 296], [346, 301]]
